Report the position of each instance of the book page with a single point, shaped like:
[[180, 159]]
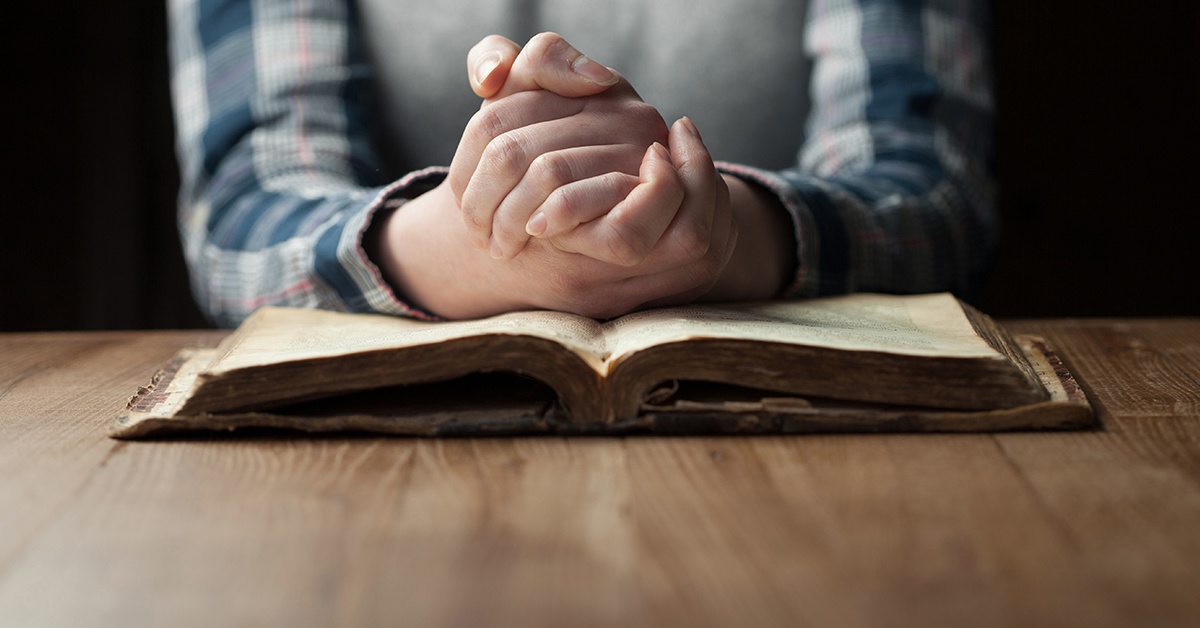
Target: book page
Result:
[[924, 325], [275, 335]]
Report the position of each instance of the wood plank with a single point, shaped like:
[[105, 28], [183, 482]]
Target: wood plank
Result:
[[354, 531], [510, 532], [896, 530], [1176, 339], [1145, 382], [336, 531], [1146, 368], [202, 533], [1128, 496], [58, 392], [1078, 528]]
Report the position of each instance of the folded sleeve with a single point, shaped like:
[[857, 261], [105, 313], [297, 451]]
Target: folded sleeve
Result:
[[891, 191], [279, 181]]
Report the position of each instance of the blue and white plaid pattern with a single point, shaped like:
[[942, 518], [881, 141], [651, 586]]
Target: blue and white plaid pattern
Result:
[[890, 192]]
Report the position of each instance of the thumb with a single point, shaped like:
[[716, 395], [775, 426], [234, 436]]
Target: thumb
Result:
[[489, 62], [548, 62]]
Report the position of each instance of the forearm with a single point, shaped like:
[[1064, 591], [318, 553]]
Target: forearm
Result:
[[891, 192], [278, 177]]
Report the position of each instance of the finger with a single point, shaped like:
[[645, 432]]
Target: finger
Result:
[[489, 62], [691, 232], [508, 157], [690, 256], [552, 172], [548, 62], [672, 285], [579, 202], [626, 234], [488, 124], [676, 283], [700, 232], [707, 209]]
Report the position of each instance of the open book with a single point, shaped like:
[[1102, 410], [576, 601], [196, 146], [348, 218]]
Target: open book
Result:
[[851, 363]]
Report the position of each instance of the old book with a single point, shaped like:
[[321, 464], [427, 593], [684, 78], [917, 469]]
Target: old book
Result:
[[854, 363]]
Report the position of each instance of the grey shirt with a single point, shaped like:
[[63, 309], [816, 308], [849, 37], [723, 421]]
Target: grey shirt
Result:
[[737, 69]]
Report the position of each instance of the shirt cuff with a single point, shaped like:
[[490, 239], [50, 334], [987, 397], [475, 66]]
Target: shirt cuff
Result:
[[376, 294]]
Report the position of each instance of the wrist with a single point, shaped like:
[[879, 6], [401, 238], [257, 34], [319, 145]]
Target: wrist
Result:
[[763, 259], [424, 254]]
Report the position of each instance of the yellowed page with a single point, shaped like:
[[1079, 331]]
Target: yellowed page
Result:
[[923, 325], [274, 335]]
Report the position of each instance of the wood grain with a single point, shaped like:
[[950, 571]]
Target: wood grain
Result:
[[55, 391], [1128, 496], [1091, 528]]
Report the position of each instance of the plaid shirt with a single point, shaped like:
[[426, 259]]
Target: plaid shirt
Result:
[[890, 192]]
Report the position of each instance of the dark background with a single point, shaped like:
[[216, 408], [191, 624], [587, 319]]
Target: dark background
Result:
[[1097, 138]]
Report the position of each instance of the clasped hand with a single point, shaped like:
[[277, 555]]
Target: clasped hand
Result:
[[572, 195], [565, 151], [577, 158]]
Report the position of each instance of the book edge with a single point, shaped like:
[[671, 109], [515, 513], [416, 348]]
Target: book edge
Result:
[[1066, 408]]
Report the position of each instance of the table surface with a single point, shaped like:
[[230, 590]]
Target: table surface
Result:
[[1091, 528]]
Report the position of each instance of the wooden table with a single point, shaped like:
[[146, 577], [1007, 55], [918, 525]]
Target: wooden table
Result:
[[1092, 528]]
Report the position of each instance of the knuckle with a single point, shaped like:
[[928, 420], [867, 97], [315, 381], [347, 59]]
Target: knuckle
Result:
[[544, 47], [471, 214], [672, 190], [489, 122], [691, 242], [571, 286], [707, 269], [505, 153], [475, 223], [646, 120], [577, 292], [601, 304], [562, 205], [587, 293], [502, 229], [551, 171], [626, 245], [509, 230]]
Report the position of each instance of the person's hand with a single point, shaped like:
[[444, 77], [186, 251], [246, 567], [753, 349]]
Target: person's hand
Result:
[[423, 250], [610, 216], [546, 127], [427, 254]]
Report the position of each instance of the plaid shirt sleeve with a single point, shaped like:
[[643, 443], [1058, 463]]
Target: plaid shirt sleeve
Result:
[[278, 176], [891, 190]]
